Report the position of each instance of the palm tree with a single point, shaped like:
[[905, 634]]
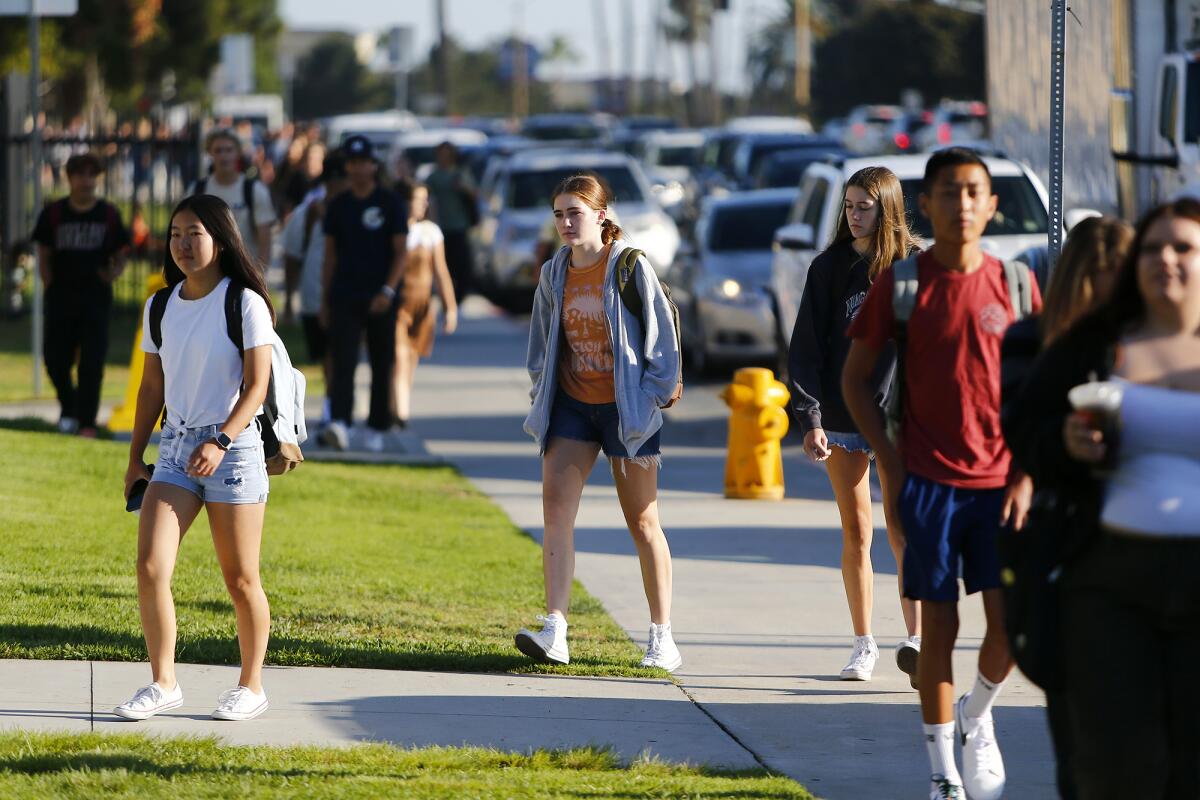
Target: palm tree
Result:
[[688, 23]]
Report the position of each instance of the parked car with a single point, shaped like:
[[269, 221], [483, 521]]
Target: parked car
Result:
[[519, 204], [753, 148], [380, 127], [629, 134], [721, 285], [417, 148], [867, 126], [672, 159], [583, 130], [784, 169], [955, 123], [903, 134], [1021, 219]]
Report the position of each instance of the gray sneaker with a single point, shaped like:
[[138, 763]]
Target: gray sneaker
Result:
[[907, 657]]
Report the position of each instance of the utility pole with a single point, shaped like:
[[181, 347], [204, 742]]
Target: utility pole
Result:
[[803, 76], [1058, 52], [600, 13], [630, 54], [441, 67], [520, 64], [35, 151]]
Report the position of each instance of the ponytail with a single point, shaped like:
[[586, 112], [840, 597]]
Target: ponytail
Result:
[[610, 231]]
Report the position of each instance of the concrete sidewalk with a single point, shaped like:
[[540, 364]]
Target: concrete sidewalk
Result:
[[311, 705], [759, 613]]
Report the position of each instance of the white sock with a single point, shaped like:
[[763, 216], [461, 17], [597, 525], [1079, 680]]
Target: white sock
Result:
[[939, 741], [980, 699]]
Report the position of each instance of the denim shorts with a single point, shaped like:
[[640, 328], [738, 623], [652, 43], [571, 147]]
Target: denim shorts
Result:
[[594, 422], [240, 478], [850, 442], [945, 527]]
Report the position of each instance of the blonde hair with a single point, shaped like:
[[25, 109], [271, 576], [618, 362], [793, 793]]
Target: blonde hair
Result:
[[595, 194], [892, 240], [1095, 246]]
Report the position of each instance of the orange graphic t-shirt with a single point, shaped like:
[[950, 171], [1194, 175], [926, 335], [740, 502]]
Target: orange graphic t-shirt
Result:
[[586, 366]]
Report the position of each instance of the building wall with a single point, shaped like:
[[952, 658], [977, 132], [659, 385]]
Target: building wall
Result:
[[1018, 72]]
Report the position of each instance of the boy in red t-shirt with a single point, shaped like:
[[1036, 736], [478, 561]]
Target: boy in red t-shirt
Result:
[[950, 477]]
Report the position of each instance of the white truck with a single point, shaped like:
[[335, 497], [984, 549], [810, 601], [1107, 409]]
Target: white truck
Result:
[[1132, 71]]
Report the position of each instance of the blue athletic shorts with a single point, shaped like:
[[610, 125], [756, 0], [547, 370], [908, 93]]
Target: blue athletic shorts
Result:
[[943, 526], [593, 422]]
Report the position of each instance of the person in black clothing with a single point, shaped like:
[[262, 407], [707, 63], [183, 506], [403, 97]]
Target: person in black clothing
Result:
[[365, 232], [81, 250], [1081, 281], [871, 234]]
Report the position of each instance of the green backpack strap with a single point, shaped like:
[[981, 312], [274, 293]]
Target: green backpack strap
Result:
[[1020, 293], [626, 286]]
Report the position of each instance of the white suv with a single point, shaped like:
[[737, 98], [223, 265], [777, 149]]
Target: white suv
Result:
[[1021, 219]]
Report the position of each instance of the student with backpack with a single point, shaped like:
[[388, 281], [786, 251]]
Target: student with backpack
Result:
[[604, 360], [82, 247], [949, 475], [249, 199], [416, 319], [211, 452], [872, 233]]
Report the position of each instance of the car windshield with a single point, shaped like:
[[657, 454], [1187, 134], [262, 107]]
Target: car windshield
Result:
[[418, 155], [746, 227], [553, 133], [687, 156], [1019, 210], [777, 174], [763, 149], [533, 189]]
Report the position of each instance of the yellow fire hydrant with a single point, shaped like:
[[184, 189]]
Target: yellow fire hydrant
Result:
[[754, 465], [122, 416]]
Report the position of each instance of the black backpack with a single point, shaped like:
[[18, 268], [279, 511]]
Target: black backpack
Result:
[[201, 187], [631, 298]]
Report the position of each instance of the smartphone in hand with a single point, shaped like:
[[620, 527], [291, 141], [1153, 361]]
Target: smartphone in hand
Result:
[[138, 492]]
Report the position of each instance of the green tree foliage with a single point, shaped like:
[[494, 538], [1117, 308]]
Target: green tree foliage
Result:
[[330, 80]]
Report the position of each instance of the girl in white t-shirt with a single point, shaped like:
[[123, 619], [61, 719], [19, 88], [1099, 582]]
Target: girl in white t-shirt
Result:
[[210, 453], [425, 265]]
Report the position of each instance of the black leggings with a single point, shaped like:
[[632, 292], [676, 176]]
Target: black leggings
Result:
[[348, 321], [77, 324]]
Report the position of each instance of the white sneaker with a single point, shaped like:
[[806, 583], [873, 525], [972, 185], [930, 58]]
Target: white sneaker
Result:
[[862, 660], [239, 703], [907, 656], [148, 701], [548, 644], [941, 788], [68, 425], [661, 651], [373, 441], [983, 766], [336, 436]]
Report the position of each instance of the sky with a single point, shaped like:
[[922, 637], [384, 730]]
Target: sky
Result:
[[478, 22]]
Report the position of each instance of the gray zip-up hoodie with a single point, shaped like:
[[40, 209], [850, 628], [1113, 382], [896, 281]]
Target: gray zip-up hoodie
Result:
[[645, 367]]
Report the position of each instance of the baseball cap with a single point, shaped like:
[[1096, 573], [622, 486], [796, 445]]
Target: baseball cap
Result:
[[358, 146]]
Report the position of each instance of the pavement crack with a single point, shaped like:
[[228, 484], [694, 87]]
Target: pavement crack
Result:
[[723, 727], [92, 696]]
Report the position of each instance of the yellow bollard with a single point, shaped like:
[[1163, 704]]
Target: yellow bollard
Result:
[[122, 416], [754, 465]]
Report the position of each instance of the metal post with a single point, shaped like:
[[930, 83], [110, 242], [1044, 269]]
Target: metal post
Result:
[[35, 151], [1058, 50]]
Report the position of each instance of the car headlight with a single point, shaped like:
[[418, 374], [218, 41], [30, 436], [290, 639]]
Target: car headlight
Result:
[[729, 288]]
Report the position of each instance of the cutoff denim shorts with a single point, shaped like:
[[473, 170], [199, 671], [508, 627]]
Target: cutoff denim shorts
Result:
[[240, 478], [594, 422], [850, 442]]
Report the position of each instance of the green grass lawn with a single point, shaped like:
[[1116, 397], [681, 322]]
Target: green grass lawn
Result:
[[88, 765], [365, 566]]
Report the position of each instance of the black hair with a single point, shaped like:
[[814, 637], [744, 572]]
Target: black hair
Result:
[[951, 157], [86, 161], [233, 259]]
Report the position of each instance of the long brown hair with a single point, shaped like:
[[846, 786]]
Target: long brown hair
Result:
[[233, 259], [595, 194], [892, 240], [1095, 246]]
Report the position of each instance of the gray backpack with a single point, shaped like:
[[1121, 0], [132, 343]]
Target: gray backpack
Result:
[[1017, 278]]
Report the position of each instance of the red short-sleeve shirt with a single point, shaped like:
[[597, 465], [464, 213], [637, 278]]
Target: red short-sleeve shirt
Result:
[[951, 430]]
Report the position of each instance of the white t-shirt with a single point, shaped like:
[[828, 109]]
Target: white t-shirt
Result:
[[202, 369], [424, 235], [235, 196], [312, 260]]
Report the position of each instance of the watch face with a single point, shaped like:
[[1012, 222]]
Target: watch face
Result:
[[224, 441]]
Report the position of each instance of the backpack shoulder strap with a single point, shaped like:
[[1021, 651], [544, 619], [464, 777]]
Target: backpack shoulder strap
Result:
[[248, 198], [1020, 294], [233, 315], [904, 290], [201, 186], [626, 286], [55, 212], [158, 307]]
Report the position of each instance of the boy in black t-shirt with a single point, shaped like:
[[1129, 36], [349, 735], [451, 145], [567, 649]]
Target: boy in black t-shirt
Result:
[[81, 251], [365, 230]]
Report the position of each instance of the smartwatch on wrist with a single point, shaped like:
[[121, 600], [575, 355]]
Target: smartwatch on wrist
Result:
[[222, 441]]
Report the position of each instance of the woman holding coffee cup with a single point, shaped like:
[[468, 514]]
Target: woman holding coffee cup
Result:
[[1131, 594]]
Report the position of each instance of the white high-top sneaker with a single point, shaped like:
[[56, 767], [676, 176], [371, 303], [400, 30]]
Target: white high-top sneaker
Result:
[[548, 644], [661, 651]]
